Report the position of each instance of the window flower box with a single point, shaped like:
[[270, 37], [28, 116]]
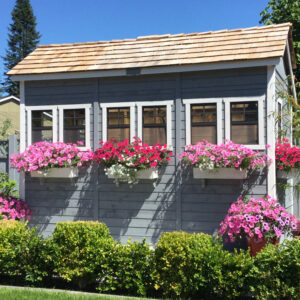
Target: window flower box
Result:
[[130, 162], [287, 174], [220, 173], [56, 173], [151, 173]]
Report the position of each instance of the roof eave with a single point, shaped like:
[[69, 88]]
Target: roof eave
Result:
[[149, 70]]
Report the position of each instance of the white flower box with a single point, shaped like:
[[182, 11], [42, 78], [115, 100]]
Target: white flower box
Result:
[[294, 173], [151, 173], [220, 173], [57, 173]]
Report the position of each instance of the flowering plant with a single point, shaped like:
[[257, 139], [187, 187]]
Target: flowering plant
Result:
[[287, 156], [258, 218], [123, 160], [14, 209], [42, 156], [207, 156]]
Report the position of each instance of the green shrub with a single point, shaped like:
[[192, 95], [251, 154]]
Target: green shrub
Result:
[[276, 272], [25, 257], [196, 266], [81, 251], [130, 267]]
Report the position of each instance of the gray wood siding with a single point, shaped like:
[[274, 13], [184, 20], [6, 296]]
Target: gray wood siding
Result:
[[175, 201]]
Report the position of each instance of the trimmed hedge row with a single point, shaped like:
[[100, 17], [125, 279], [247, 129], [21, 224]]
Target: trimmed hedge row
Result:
[[83, 255]]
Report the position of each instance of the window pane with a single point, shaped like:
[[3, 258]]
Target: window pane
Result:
[[41, 136], [74, 126], [153, 135], [42, 122], [124, 116], [148, 115], [244, 134], [74, 135], [208, 133], [119, 134], [244, 122], [204, 113]]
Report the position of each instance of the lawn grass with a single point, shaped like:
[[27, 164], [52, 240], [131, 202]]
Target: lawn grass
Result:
[[7, 293]]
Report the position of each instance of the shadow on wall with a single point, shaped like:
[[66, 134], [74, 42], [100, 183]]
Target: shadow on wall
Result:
[[55, 200], [145, 210]]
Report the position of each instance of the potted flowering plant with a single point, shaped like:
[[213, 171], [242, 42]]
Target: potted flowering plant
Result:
[[44, 159], [287, 159], [258, 220], [12, 208], [128, 162], [222, 161]]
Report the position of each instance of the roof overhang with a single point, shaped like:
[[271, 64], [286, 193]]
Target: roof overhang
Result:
[[149, 70]]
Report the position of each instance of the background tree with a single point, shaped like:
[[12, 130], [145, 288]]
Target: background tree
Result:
[[22, 39], [281, 11]]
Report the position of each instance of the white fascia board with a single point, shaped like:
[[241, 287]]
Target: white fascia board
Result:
[[291, 70], [150, 70], [8, 98]]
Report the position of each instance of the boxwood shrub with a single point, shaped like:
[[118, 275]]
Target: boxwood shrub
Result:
[[276, 272], [25, 256], [195, 266], [129, 270], [82, 250]]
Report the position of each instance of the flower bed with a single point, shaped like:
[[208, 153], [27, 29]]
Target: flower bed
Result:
[[258, 218], [124, 160], [14, 209], [287, 159], [207, 157], [41, 157]]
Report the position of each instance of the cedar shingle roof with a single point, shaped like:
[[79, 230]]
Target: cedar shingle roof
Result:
[[159, 50]]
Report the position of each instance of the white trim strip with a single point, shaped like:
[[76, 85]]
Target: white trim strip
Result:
[[22, 136], [155, 103], [117, 104], [8, 98], [271, 139]]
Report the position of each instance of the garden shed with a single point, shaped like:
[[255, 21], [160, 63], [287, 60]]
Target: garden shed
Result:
[[172, 89]]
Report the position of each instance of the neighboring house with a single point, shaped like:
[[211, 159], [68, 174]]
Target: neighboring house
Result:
[[10, 109], [77, 88]]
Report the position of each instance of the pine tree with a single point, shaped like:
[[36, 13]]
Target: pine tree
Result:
[[22, 39]]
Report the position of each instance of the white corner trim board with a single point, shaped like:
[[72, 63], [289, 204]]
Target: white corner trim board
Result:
[[105, 106], [271, 138], [189, 102], [261, 118], [22, 136]]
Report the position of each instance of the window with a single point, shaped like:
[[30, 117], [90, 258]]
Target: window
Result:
[[118, 121], [41, 124], [155, 122], [244, 121], [204, 123], [155, 125], [203, 120], [74, 124]]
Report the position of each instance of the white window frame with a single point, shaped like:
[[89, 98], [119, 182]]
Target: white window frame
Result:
[[105, 106], [87, 108], [188, 124], [261, 120], [29, 110], [168, 104]]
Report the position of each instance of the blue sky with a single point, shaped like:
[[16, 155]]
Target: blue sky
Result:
[[68, 21]]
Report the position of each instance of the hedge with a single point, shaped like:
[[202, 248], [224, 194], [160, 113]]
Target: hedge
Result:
[[182, 265]]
